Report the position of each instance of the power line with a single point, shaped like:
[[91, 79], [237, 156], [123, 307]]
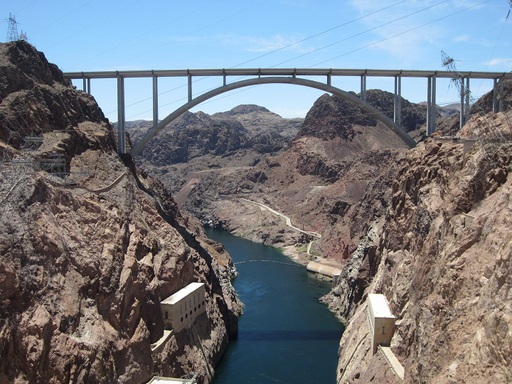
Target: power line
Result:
[[402, 33], [183, 15], [63, 16], [95, 23], [363, 32], [207, 26], [326, 31], [320, 33], [345, 39]]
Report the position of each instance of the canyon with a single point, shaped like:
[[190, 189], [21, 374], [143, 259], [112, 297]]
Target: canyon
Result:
[[427, 227], [92, 242]]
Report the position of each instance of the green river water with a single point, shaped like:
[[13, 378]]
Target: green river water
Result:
[[285, 334]]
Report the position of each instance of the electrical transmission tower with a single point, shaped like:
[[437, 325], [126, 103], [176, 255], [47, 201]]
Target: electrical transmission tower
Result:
[[12, 31], [458, 81], [465, 96]]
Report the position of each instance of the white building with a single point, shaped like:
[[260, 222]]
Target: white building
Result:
[[382, 322], [180, 310]]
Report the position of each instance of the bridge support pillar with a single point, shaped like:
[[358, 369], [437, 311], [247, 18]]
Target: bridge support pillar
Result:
[[189, 87], [363, 87], [397, 115], [121, 129], [155, 101], [86, 86], [431, 105], [497, 94], [464, 101]]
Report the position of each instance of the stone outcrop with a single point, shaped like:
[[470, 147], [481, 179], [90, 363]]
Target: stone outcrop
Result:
[[193, 135], [440, 251], [87, 256]]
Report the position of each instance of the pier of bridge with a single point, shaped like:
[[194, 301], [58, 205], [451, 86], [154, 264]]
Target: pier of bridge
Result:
[[295, 76]]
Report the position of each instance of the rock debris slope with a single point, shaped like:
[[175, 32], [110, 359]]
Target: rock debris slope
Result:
[[88, 249]]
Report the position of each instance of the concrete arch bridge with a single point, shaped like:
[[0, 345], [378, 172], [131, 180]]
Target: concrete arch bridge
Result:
[[294, 76]]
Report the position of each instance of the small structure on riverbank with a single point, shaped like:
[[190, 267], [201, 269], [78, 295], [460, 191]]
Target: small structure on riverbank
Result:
[[324, 270], [382, 321], [180, 310], [382, 328]]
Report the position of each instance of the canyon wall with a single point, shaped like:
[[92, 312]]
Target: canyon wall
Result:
[[88, 248], [440, 250]]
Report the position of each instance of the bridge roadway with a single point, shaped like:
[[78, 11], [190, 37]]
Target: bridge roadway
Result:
[[294, 76]]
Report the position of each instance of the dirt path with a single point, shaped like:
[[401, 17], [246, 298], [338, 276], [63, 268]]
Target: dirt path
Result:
[[287, 219]]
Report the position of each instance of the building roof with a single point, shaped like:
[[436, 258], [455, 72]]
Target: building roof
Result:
[[379, 304], [169, 380], [182, 293]]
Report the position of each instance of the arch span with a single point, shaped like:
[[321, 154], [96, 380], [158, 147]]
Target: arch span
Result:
[[272, 80]]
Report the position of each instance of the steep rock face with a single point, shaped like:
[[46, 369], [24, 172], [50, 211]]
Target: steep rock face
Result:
[[441, 255], [35, 97], [87, 259]]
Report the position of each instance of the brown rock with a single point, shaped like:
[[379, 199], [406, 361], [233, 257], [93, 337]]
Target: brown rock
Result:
[[86, 260]]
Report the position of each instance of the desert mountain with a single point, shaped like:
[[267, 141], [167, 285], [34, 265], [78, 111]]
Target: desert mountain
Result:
[[311, 172], [89, 249]]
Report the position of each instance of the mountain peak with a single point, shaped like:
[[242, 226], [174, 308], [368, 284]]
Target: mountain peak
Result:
[[244, 109]]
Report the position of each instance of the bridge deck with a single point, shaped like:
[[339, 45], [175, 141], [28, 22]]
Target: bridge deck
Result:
[[284, 72]]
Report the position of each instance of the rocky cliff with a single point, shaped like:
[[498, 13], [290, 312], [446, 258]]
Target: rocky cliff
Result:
[[89, 248], [439, 249]]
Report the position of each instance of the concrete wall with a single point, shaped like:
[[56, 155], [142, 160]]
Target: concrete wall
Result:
[[382, 322], [180, 310], [323, 269]]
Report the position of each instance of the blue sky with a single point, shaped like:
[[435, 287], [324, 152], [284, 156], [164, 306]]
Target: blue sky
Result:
[[90, 35]]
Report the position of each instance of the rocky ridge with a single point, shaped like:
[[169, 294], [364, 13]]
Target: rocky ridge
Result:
[[440, 252], [87, 255]]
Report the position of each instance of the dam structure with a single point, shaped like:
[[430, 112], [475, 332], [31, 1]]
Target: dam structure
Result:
[[296, 76]]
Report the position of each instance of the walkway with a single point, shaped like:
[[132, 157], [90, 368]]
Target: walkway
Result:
[[286, 218]]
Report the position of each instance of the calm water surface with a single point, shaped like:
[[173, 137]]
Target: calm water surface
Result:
[[285, 335]]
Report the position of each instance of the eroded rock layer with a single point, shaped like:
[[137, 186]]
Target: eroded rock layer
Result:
[[88, 249]]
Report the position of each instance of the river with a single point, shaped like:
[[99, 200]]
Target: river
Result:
[[285, 334]]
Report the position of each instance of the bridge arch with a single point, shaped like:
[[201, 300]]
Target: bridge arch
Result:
[[272, 80]]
